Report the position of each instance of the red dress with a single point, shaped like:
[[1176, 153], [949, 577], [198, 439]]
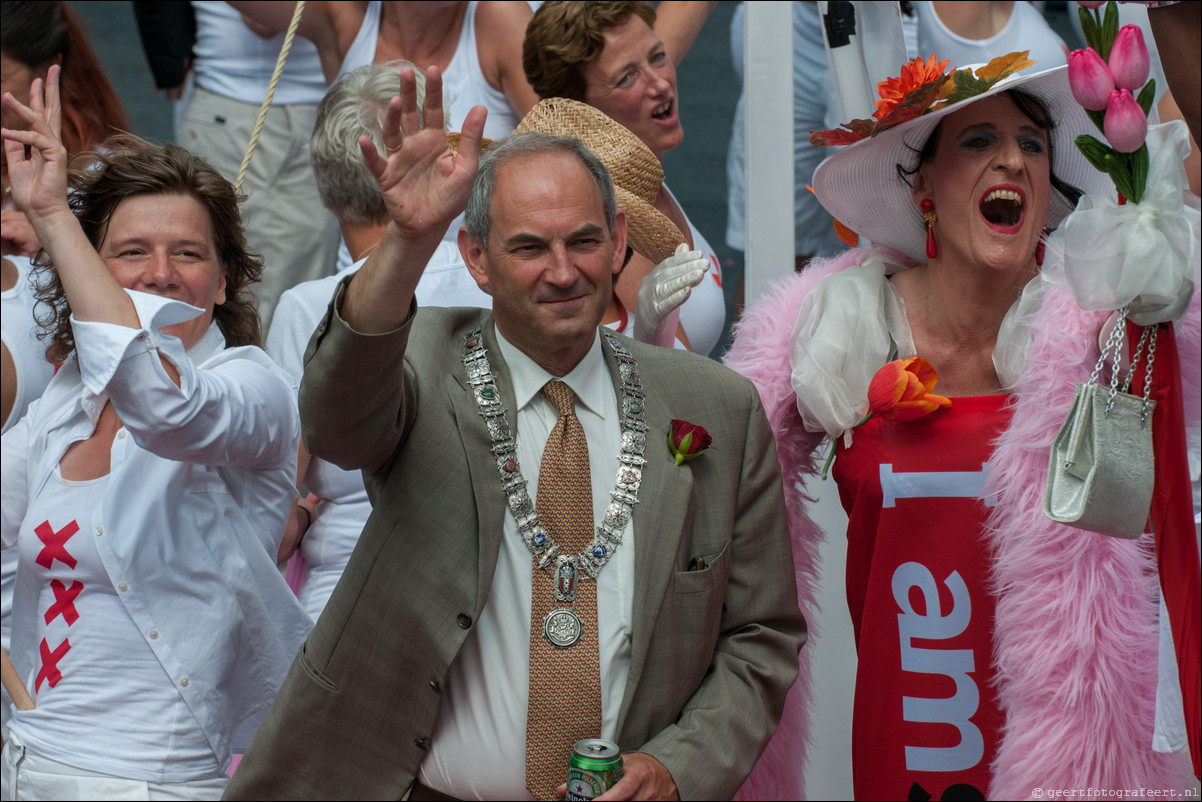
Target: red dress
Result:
[[926, 719]]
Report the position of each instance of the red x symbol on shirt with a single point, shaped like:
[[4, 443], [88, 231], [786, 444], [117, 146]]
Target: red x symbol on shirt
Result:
[[55, 548], [64, 601], [49, 670]]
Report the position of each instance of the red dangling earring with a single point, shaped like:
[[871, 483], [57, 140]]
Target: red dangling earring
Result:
[[928, 217], [1039, 246]]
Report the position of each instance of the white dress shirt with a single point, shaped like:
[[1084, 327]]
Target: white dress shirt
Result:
[[201, 476], [478, 750]]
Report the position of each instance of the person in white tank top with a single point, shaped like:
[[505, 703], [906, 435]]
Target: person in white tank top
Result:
[[632, 79], [478, 70], [974, 33]]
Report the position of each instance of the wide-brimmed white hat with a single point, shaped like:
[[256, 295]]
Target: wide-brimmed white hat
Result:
[[860, 186]]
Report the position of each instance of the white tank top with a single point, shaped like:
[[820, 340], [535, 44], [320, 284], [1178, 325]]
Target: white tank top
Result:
[[104, 702], [464, 84], [1025, 30], [232, 61]]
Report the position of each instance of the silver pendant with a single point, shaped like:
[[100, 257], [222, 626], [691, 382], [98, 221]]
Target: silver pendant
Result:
[[562, 628], [566, 577]]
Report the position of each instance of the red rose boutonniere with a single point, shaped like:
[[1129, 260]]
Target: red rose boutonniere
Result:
[[687, 440], [900, 391]]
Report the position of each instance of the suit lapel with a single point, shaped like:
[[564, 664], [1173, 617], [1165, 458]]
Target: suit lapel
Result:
[[486, 483], [658, 520]]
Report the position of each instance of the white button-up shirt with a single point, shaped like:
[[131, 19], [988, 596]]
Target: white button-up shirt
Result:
[[195, 507]]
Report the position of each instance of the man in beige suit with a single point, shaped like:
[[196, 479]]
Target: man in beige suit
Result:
[[448, 663]]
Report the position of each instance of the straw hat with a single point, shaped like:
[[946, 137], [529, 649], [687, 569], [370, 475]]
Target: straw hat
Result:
[[636, 173], [860, 187]]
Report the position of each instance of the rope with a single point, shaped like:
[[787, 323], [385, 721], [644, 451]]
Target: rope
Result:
[[275, 79]]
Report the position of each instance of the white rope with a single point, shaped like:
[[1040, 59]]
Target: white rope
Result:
[[275, 79]]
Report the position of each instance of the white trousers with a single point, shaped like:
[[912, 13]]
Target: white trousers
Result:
[[27, 775]]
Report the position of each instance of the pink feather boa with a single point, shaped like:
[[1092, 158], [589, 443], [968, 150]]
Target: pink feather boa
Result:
[[1075, 638]]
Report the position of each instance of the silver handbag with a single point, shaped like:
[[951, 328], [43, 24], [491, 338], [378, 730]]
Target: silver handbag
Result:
[[1101, 471]]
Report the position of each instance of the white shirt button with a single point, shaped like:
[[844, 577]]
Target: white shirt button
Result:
[[121, 435], [154, 633], [100, 530], [183, 682], [122, 586]]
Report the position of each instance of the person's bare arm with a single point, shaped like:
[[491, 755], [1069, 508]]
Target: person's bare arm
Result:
[[503, 27], [677, 23], [1178, 32]]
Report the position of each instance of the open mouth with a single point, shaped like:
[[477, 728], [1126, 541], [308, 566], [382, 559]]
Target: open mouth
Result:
[[1002, 208], [663, 112]]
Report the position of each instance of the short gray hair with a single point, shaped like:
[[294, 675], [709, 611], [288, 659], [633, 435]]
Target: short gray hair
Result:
[[478, 217], [355, 106]]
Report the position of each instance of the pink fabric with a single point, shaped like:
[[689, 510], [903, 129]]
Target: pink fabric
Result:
[[296, 571], [1076, 637]]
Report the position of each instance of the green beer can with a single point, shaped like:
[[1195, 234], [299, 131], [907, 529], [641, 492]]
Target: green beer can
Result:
[[594, 768]]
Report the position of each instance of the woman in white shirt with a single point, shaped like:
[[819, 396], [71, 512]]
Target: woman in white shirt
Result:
[[145, 491]]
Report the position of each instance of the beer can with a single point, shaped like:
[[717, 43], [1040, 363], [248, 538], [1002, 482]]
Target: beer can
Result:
[[594, 768]]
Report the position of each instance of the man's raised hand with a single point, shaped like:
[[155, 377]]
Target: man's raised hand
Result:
[[424, 184]]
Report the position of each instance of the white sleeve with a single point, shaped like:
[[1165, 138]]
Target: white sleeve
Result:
[[841, 337], [235, 409]]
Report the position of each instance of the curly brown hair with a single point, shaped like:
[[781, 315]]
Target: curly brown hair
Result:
[[125, 167], [565, 36]]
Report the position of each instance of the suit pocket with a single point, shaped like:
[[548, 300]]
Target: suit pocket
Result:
[[714, 574], [315, 675]]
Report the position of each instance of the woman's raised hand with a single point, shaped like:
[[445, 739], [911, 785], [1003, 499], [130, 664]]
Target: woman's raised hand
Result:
[[37, 159], [424, 184]]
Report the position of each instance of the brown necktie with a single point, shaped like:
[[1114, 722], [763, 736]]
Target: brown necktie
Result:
[[565, 683]]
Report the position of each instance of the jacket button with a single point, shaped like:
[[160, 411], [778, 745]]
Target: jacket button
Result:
[[434, 684], [422, 743], [464, 620]]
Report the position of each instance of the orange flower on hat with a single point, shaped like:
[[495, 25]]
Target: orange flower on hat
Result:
[[901, 390], [913, 75]]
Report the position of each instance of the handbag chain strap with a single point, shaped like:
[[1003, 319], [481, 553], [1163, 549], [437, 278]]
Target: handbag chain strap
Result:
[[1114, 350]]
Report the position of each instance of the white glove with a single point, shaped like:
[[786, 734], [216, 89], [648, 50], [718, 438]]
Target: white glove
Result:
[[665, 288]]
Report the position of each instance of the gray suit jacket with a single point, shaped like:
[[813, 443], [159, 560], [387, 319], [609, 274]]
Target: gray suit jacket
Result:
[[714, 651]]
